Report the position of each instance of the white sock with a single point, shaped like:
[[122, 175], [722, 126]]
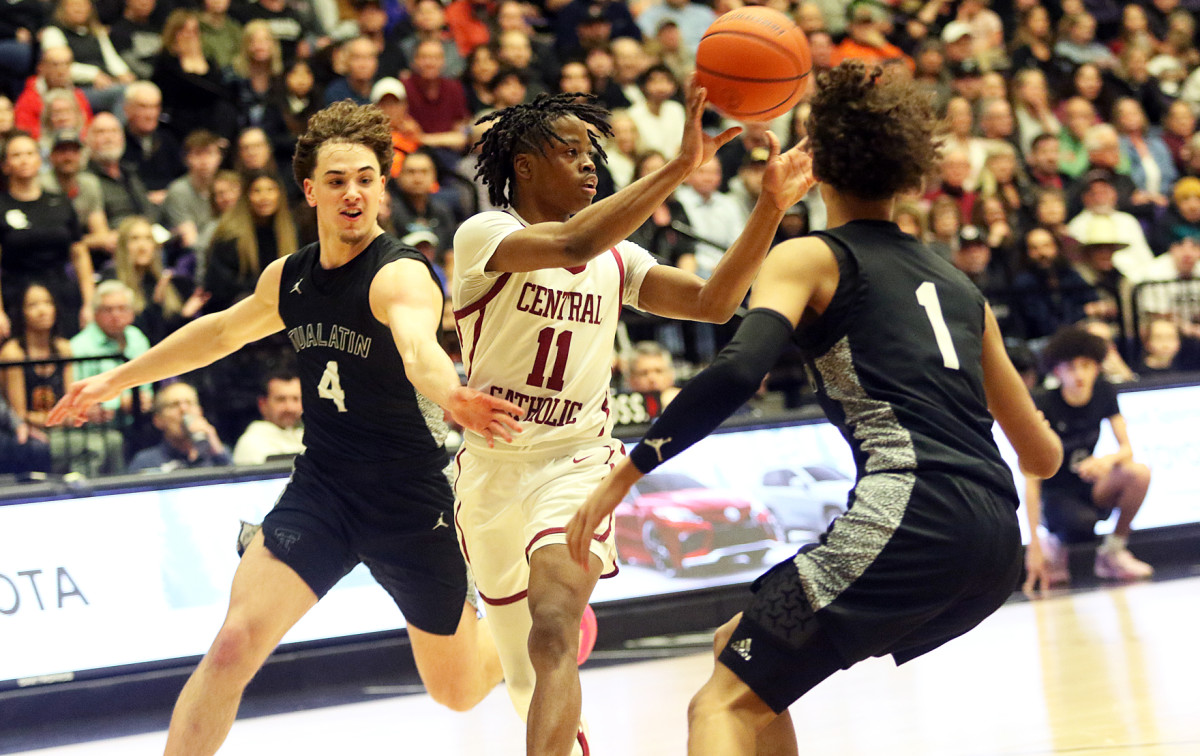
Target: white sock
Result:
[[1113, 542]]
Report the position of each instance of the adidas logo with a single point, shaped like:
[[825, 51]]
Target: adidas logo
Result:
[[742, 648]]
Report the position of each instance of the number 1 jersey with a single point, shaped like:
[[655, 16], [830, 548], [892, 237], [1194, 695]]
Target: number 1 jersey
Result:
[[358, 403], [542, 339]]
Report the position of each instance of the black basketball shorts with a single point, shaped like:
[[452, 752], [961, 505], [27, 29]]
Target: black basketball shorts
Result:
[[954, 558], [396, 519], [1070, 511]]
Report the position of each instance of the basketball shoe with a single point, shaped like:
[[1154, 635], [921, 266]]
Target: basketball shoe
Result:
[[1116, 563], [587, 635], [1058, 558]]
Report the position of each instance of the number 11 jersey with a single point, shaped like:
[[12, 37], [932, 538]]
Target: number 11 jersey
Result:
[[542, 339]]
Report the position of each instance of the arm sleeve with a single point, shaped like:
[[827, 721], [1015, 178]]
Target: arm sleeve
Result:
[[718, 391]]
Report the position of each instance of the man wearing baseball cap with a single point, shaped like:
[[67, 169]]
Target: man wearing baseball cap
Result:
[[66, 176], [389, 95]]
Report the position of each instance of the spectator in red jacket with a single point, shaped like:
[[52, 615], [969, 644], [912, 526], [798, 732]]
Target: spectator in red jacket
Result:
[[54, 72]]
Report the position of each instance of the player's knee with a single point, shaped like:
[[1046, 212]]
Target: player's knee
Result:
[[453, 694], [706, 704], [553, 636], [233, 650], [1140, 473]]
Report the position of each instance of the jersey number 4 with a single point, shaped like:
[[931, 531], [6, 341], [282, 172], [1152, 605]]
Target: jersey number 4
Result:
[[927, 297], [561, 345], [330, 386]]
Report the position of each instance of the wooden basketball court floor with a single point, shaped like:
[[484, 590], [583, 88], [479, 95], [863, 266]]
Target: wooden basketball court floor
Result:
[[1107, 672]]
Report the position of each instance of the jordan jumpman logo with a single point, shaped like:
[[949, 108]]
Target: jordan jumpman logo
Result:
[[657, 444]]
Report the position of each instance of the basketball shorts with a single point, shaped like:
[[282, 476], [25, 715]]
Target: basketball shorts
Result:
[[510, 505], [954, 558], [1070, 511], [396, 519]]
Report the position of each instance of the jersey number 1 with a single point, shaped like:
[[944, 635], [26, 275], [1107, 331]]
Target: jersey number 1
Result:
[[330, 386], [928, 298], [562, 346]]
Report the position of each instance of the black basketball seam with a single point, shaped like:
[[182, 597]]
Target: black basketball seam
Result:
[[751, 79], [781, 48]]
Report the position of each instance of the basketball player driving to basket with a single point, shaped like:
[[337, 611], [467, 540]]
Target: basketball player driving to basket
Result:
[[538, 291], [362, 312]]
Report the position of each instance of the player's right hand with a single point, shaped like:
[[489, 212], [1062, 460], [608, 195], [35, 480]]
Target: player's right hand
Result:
[[81, 397], [697, 147], [1037, 577], [489, 416]]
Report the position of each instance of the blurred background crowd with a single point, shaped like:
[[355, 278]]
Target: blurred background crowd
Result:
[[146, 151]]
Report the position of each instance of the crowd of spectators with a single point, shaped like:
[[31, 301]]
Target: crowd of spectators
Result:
[[146, 149]]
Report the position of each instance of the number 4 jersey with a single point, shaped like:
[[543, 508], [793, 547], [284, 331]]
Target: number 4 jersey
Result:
[[542, 339], [358, 403]]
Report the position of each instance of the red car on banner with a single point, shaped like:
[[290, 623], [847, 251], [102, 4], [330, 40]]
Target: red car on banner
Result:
[[671, 522]]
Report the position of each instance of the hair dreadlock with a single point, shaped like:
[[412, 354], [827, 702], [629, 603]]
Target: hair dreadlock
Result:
[[525, 128]]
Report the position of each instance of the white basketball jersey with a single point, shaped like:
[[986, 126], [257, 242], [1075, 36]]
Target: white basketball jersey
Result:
[[542, 339]]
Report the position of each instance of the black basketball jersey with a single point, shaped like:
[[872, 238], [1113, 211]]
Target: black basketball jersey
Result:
[[896, 359], [359, 405]]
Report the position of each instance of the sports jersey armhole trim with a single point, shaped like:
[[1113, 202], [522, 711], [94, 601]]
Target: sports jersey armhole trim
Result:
[[831, 325], [620, 267], [482, 302]]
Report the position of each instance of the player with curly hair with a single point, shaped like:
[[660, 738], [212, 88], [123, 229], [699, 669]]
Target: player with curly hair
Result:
[[362, 312], [907, 360], [538, 291]]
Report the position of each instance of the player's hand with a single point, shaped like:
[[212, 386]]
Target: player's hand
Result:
[[599, 505], [487, 415], [1093, 469], [697, 147], [789, 176], [5, 326], [1037, 578], [81, 397]]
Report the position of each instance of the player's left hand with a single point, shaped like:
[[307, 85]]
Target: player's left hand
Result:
[[487, 415], [1093, 469], [600, 504], [697, 147], [789, 176]]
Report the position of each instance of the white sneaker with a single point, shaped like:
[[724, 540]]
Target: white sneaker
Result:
[[1058, 559], [1119, 564]]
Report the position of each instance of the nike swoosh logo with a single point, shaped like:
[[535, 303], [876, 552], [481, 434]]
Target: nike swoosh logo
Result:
[[576, 460]]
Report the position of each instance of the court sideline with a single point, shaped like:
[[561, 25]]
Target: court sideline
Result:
[[1103, 672]]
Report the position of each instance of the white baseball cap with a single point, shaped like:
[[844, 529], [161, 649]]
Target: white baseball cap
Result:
[[388, 85]]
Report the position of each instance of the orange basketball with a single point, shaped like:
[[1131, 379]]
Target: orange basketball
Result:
[[754, 62]]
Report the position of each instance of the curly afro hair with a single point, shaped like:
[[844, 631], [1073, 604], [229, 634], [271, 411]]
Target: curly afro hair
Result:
[[871, 134], [1070, 343]]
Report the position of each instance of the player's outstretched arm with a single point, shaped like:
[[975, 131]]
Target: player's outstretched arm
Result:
[[1039, 450], [199, 343], [598, 227], [405, 298], [674, 293], [792, 276]]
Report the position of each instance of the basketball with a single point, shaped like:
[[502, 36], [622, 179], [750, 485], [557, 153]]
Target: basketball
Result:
[[754, 62]]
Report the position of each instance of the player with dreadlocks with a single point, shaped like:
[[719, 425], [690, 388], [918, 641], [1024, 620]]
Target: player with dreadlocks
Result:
[[538, 291]]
